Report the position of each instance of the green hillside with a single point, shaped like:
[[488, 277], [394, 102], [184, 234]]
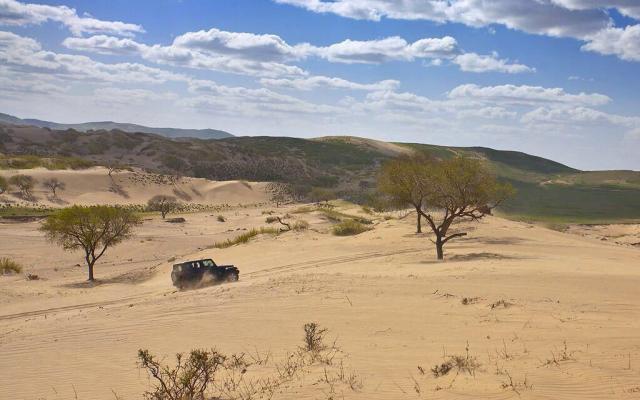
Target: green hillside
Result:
[[547, 190]]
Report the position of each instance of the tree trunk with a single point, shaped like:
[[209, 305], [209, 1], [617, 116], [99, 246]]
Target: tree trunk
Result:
[[91, 272], [419, 222], [439, 248]]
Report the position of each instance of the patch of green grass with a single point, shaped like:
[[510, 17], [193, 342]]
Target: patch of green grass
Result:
[[11, 211], [245, 237], [337, 216], [8, 266], [350, 227]]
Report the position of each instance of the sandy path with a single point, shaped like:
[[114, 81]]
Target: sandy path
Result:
[[390, 305]]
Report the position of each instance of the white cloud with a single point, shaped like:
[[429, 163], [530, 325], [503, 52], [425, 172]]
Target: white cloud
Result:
[[578, 115], [314, 82], [177, 55], [512, 94], [472, 62], [533, 16], [621, 42], [16, 13], [389, 49]]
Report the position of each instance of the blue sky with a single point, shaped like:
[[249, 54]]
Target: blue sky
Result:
[[556, 78]]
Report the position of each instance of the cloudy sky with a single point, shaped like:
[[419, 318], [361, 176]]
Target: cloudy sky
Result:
[[556, 78]]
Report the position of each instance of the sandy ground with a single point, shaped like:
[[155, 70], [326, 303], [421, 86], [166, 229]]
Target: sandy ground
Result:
[[570, 328], [623, 234], [95, 186]]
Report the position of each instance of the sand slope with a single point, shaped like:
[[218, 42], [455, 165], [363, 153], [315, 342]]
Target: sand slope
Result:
[[95, 186], [390, 305]]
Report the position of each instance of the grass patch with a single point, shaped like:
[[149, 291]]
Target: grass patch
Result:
[[245, 237], [50, 163], [350, 227], [8, 266], [10, 211], [337, 216]]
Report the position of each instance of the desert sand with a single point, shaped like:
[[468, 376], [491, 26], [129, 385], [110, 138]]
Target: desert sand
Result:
[[548, 315]]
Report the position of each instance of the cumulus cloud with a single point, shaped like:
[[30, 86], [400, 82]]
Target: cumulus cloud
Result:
[[621, 42], [512, 94], [15, 13], [314, 82], [472, 62], [389, 49]]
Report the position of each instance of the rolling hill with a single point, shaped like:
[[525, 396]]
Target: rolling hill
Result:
[[547, 190], [125, 127]]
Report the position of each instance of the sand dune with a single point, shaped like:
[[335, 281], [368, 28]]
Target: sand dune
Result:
[[95, 186], [390, 305]]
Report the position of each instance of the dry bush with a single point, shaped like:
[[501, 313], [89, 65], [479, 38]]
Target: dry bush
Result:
[[349, 227], [300, 225], [8, 266], [249, 376], [314, 337], [189, 379], [461, 363], [220, 218], [271, 220], [500, 304]]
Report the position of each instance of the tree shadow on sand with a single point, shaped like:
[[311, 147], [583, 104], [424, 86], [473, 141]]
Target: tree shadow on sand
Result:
[[127, 278], [480, 256]]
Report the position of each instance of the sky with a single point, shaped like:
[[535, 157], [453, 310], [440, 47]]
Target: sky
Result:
[[554, 78]]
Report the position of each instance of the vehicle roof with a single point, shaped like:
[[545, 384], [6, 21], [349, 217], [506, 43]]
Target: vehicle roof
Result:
[[192, 261]]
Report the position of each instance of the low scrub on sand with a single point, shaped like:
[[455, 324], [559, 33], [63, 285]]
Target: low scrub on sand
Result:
[[210, 374], [245, 237], [349, 227], [8, 266]]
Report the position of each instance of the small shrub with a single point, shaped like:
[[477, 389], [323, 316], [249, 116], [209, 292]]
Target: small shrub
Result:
[[8, 266], [314, 337], [349, 227], [271, 220], [220, 218], [466, 364], [189, 379], [301, 225]]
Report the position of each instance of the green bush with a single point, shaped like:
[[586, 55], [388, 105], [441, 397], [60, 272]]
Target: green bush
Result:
[[8, 266], [349, 227], [245, 237]]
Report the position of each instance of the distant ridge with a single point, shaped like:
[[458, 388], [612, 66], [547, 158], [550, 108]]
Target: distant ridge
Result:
[[125, 127]]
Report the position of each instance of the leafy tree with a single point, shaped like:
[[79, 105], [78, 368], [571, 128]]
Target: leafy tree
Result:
[[25, 184], [54, 184], [93, 229], [443, 192], [4, 184], [459, 188], [163, 204], [402, 181]]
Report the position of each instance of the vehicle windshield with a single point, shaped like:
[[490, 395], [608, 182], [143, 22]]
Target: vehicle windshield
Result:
[[208, 263]]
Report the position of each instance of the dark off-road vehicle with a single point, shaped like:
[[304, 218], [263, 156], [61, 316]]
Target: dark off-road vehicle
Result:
[[201, 273]]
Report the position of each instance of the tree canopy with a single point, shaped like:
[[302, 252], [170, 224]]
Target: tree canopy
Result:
[[163, 204], [443, 191], [92, 229]]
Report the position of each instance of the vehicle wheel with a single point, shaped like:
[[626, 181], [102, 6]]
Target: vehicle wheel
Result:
[[233, 278]]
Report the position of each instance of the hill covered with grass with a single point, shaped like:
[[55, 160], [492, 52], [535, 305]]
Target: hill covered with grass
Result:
[[547, 190]]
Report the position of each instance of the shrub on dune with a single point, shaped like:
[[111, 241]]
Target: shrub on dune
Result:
[[349, 227], [8, 266]]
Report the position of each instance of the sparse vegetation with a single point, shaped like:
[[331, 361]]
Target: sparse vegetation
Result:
[[220, 218], [9, 266], [245, 237], [54, 184], [349, 227], [210, 374], [163, 204], [460, 363], [25, 183], [4, 184], [93, 229]]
